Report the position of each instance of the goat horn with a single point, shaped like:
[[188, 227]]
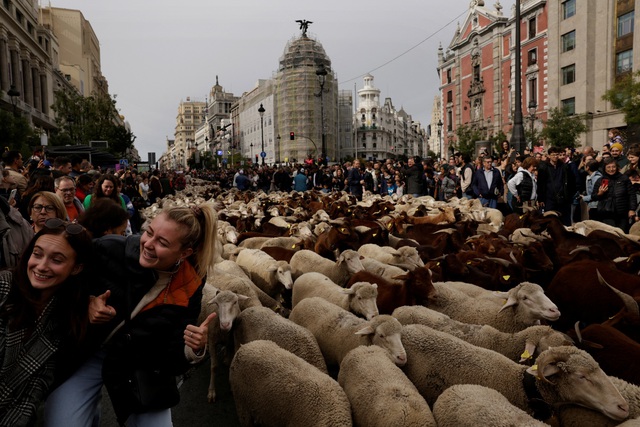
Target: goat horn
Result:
[[580, 249], [445, 230], [550, 213], [513, 257], [577, 328], [501, 261], [628, 300]]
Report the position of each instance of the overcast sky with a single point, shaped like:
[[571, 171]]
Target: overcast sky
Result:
[[156, 53]]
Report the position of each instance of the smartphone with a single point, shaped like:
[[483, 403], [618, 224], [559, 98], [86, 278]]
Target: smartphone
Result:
[[12, 195], [604, 182]]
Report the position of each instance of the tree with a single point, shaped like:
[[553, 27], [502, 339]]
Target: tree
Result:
[[467, 137], [563, 129], [625, 96], [93, 118], [16, 133]]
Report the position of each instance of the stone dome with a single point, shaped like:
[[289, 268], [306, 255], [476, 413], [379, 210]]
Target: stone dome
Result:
[[304, 52]]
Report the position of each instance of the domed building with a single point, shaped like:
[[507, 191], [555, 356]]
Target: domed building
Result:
[[306, 91]]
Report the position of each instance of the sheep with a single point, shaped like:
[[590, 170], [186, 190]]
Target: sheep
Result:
[[338, 331], [294, 243], [226, 304], [518, 346], [360, 298], [379, 392], [228, 272], [525, 306], [471, 405], [276, 388], [389, 272], [260, 323], [348, 263], [577, 416], [406, 257], [268, 274], [437, 360]]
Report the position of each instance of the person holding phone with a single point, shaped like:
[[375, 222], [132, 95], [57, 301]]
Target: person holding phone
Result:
[[616, 199], [594, 175]]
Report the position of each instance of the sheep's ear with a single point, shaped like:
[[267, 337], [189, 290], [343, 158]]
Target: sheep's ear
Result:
[[242, 297], [272, 268], [348, 291], [529, 349], [367, 330], [402, 277], [509, 303]]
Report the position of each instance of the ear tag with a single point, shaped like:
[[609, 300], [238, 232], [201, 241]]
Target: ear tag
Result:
[[534, 368], [468, 262], [526, 356], [506, 277], [521, 216], [293, 247], [438, 263]]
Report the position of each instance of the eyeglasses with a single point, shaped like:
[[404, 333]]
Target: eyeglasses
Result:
[[70, 227], [47, 208], [67, 190]]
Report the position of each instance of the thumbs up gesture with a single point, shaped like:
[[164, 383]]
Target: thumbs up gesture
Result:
[[196, 336], [99, 310]]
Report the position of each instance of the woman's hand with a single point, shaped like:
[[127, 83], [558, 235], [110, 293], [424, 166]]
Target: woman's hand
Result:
[[196, 336], [99, 311], [603, 189]]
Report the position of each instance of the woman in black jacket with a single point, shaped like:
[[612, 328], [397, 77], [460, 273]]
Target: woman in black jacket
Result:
[[617, 201], [147, 294]]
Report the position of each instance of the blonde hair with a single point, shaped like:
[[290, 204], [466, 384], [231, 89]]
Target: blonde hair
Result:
[[61, 211], [201, 224]]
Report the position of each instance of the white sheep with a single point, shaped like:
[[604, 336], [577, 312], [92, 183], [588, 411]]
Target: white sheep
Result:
[[437, 360], [276, 388], [381, 395], [470, 405], [348, 263], [405, 257], [293, 243], [226, 305], [577, 416], [388, 272], [518, 346], [338, 331], [360, 298], [261, 323], [525, 305], [268, 274]]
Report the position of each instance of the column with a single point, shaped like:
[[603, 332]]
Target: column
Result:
[[44, 93], [4, 64], [27, 83], [15, 71], [35, 78]]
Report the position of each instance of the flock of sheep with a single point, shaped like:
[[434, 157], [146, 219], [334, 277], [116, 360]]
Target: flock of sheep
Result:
[[314, 341]]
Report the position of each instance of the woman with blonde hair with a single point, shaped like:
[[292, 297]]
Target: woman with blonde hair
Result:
[[44, 205], [144, 311]]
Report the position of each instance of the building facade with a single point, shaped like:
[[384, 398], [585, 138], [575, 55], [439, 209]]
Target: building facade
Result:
[[477, 71], [191, 115]]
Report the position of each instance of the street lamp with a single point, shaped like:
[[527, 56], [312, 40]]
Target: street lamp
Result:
[[321, 72], [532, 116], [261, 111], [517, 133], [14, 94], [278, 138], [440, 137], [251, 147]]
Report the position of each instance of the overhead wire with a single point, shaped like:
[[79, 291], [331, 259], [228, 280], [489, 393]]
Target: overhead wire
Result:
[[406, 51]]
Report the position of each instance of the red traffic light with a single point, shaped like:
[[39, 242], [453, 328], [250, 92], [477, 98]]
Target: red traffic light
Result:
[[292, 136]]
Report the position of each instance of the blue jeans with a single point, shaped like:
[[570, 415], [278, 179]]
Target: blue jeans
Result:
[[76, 402], [490, 203]]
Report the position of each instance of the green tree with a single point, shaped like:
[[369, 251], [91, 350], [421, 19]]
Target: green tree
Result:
[[496, 141], [93, 118], [563, 129], [16, 133], [467, 137], [625, 96]]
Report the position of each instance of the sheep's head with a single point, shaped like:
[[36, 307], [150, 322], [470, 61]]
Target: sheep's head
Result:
[[570, 375], [225, 303], [531, 304], [385, 331], [352, 259], [282, 272], [362, 299]]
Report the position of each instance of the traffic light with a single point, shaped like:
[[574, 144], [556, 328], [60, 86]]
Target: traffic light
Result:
[[292, 136]]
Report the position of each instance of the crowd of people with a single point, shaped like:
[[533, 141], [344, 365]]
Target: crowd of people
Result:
[[87, 299]]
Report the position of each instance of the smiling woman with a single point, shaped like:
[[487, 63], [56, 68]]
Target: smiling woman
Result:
[[147, 301], [42, 314]]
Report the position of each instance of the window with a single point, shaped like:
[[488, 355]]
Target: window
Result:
[[569, 41], [449, 75], [569, 74], [476, 73], [450, 96], [624, 61], [532, 57], [533, 90], [625, 24], [568, 9], [532, 27], [449, 120], [569, 106]]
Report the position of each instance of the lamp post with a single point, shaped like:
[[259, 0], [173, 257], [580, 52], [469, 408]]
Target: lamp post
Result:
[[532, 116], [14, 94], [321, 72], [440, 137], [251, 147], [278, 138], [261, 111], [517, 133]]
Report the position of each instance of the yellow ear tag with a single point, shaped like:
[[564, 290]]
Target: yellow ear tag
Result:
[[506, 277], [375, 235], [468, 262], [534, 368], [505, 301], [525, 355], [293, 247], [521, 216]]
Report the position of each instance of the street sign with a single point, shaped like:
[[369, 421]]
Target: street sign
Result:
[[263, 154], [219, 152], [124, 162], [224, 161]]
